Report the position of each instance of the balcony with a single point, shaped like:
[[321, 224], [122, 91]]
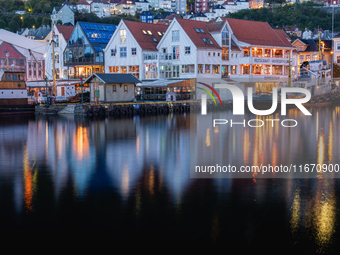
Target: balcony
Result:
[[165, 57]]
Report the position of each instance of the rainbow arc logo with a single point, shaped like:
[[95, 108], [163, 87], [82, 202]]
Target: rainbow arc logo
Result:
[[209, 93]]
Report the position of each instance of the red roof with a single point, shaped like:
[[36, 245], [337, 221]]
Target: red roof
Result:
[[145, 41], [82, 2], [66, 31], [189, 28], [282, 34], [13, 53], [256, 33]]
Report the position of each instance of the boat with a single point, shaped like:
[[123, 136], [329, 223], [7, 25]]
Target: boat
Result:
[[13, 94]]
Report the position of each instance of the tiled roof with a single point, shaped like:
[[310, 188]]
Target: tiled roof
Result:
[[146, 41], [82, 2], [282, 34], [189, 28], [256, 33], [66, 31], [172, 16]]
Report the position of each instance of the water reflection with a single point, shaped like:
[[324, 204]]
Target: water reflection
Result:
[[131, 176]]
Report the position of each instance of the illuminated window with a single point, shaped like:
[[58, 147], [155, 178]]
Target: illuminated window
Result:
[[123, 35]]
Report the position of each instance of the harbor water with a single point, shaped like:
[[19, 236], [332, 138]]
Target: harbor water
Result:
[[126, 181]]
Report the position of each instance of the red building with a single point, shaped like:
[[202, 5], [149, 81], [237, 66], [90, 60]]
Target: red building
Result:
[[16, 61]]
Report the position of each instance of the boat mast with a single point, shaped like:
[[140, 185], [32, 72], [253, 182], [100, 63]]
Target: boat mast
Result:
[[54, 72]]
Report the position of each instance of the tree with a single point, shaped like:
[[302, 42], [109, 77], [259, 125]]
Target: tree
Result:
[[46, 21], [59, 22]]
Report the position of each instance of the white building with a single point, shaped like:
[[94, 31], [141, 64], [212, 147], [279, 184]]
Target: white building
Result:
[[132, 49], [336, 49], [307, 34], [61, 37], [101, 8], [142, 5], [63, 13], [83, 6], [127, 7], [187, 50]]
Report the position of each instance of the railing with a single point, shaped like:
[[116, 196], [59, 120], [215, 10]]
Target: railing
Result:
[[150, 56], [165, 56]]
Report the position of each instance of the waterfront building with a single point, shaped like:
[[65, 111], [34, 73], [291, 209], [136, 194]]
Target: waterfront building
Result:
[[64, 13], [84, 52], [113, 87], [187, 50], [20, 59], [309, 50], [336, 49], [61, 37], [255, 50], [132, 49]]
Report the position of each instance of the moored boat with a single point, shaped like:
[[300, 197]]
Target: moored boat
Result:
[[13, 94]]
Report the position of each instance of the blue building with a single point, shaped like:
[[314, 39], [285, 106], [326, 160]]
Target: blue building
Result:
[[83, 54], [146, 16]]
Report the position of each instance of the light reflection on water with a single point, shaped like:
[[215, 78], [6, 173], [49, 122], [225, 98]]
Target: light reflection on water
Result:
[[137, 169]]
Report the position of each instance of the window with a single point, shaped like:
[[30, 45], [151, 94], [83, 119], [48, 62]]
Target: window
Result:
[[300, 48], [202, 31], [154, 39], [114, 89], [199, 68], [159, 33], [123, 69], [113, 69], [149, 32], [134, 70], [151, 71], [123, 52], [197, 30], [225, 54], [144, 31], [123, 36], [175, 36], [113, 52], [175, 71], [215, 69], [125, 88], [308, 58], [186, 50], [175, 52], [188, 68], [207, 69], [204, 40], [133, 51]]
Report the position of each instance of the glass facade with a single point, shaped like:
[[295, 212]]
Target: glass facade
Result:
[[87, 43]]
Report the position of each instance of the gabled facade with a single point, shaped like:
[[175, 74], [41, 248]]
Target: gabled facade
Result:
[[262, 53], [309, 50], [187, 50], [84, 52], [22, 45], [132, 49], [61, 37], [63, 13]]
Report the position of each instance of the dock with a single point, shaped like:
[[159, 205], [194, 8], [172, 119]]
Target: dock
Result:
[[128, 109]]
